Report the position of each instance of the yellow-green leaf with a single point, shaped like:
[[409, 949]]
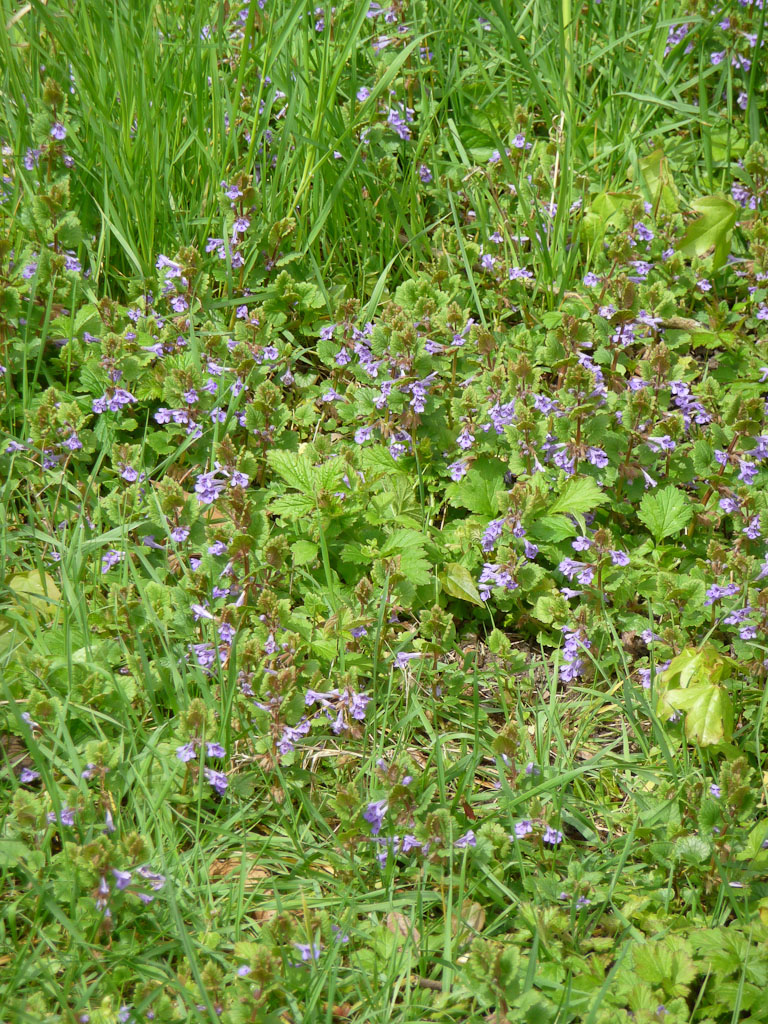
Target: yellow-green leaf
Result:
[[458, 582]]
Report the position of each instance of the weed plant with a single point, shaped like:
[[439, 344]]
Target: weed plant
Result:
[[383, 601]]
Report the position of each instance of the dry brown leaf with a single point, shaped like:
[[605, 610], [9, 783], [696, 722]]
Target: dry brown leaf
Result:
[[222, 868], [399, 924]]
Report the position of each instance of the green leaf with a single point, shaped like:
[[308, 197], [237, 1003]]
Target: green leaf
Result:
[[409, 546], [478, 490], [458, 582], [304, 552], [712, 230], [36, 591], [292, 506], [12, 852], [703, 665], [702, 455], [654, 170], [580, 494], [605, 209], [665, 513], [552, 529], [693, 849], [708, 712], [296, 469]]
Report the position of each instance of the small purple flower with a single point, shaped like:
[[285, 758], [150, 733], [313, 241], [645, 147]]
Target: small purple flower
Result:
[[552, 836], [227, 632], [179, 534], [309, 950], [122, 878], [58, 131], [717, 592], [27, 775], [73, 442], [619, 558], [492, 534], [66, 816], [374, 815], [218, 780], [425, 174], [186, 752], [522, 829], [468, 839], [110, 558], [215, 750], [714, 791], [402, 659]]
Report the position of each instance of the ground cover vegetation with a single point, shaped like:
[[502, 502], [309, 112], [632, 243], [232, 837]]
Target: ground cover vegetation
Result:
[[383, 567]]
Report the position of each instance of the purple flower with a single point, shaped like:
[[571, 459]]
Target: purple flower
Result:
[[494, 576], [522, 829], [425, 174], [27, 775], [112, 557], [215, 750], [357, 703], [753, 528], [218, 780], [156, 880], [186, 752], [122, 878], [715, 791], [402, 659], [465, 440], [531, 550], [208, 487], [619, 557], [227, 632], [468, 839], [591, 280], [65, 817], [492, 534], [58, 131], [597, 457], [716, 592], [374, 815], [552, 836], [179, 534], [308, 950], [73, 442], [458, 470]]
